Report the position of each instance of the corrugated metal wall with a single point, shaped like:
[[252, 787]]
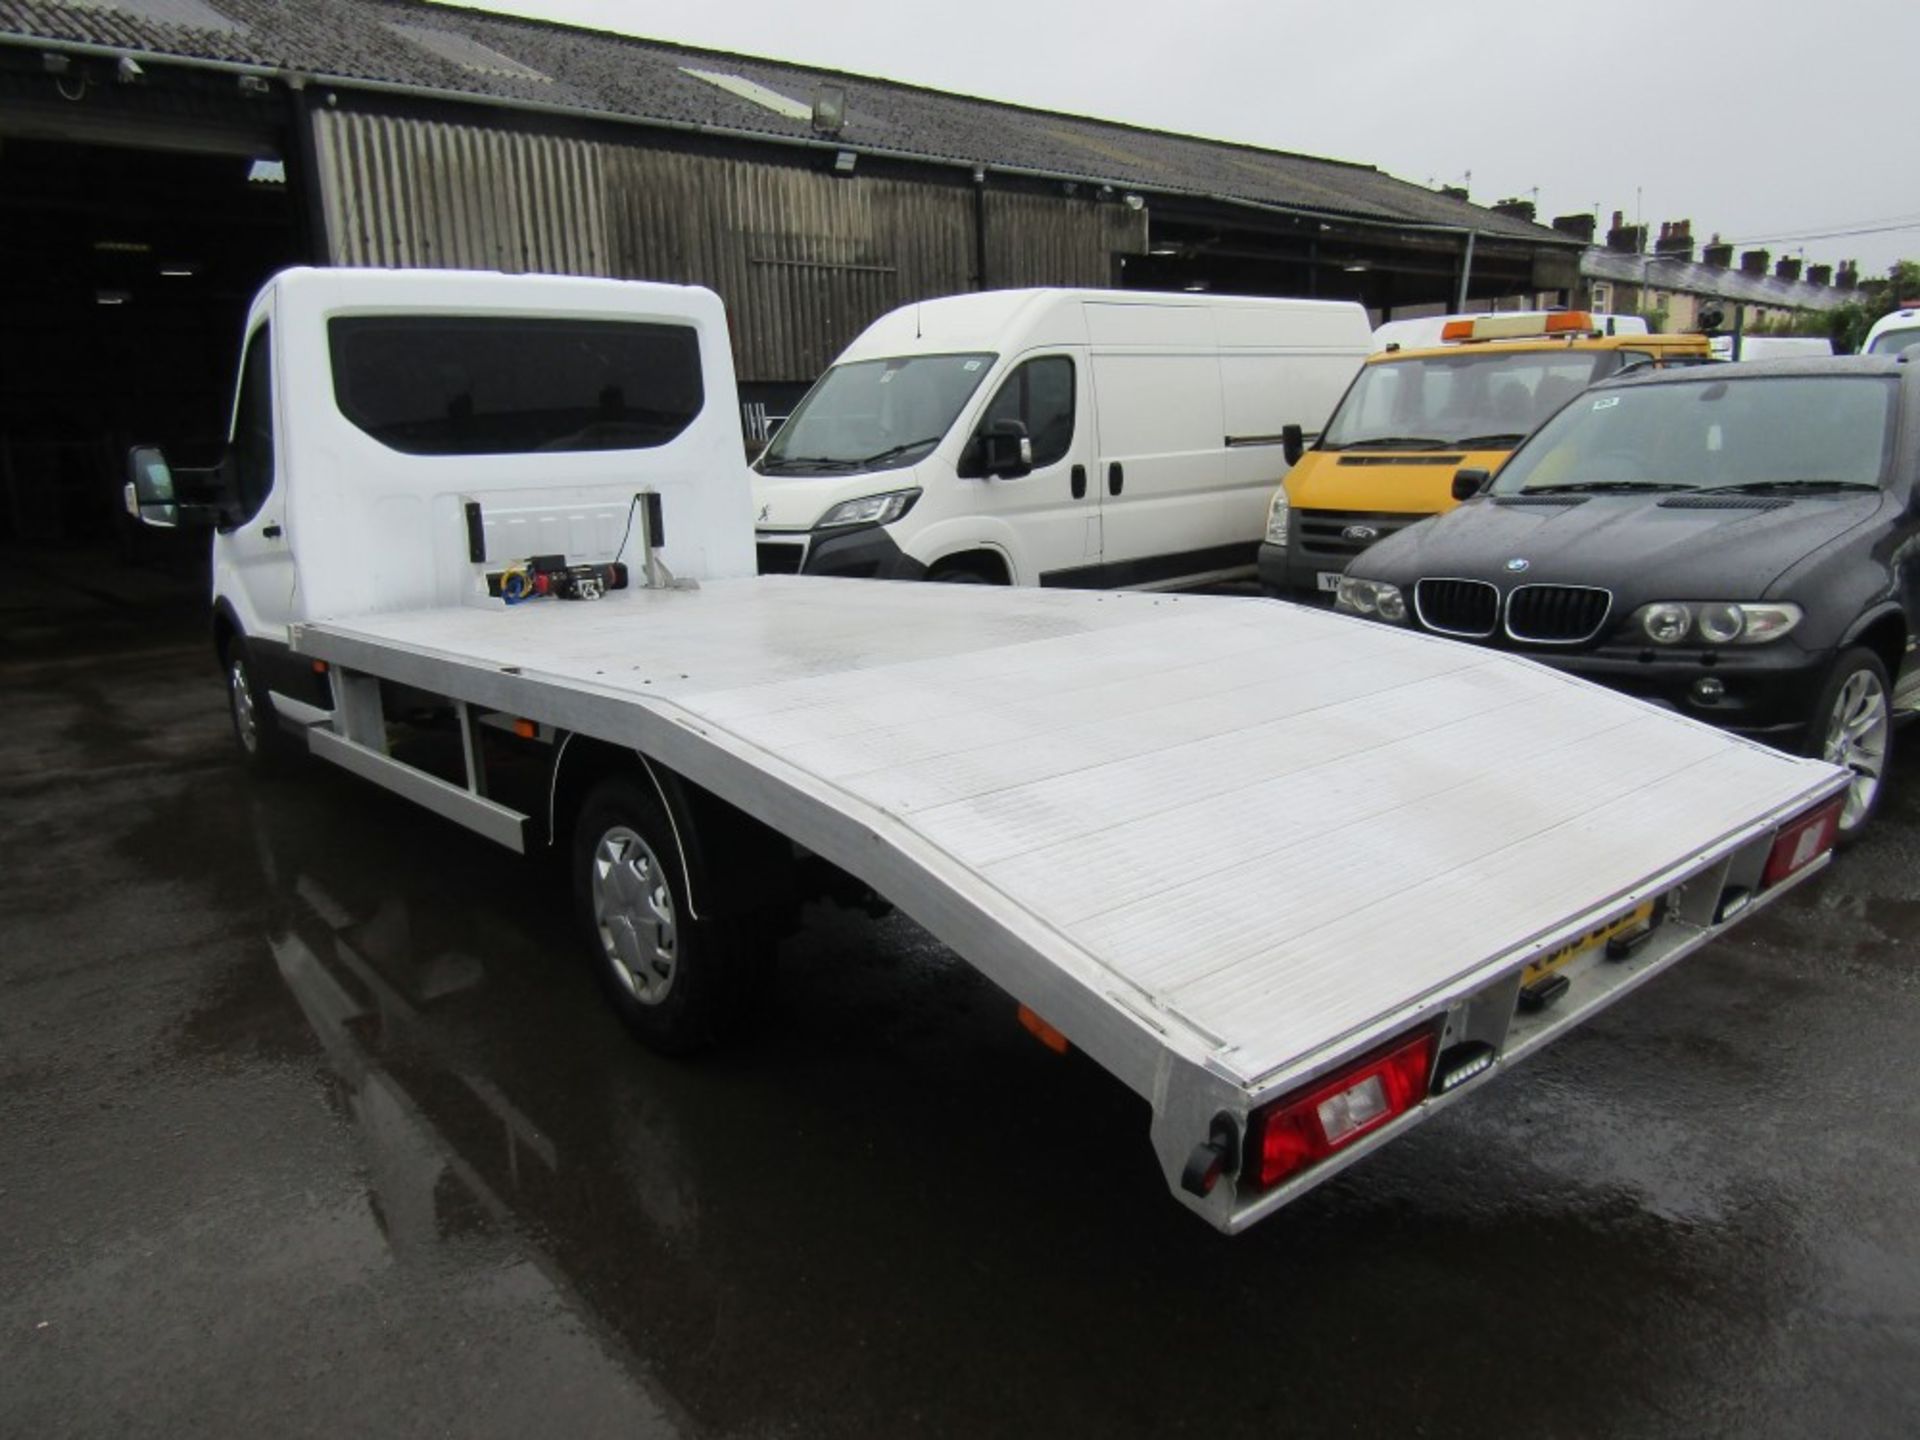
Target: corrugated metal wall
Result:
[[803, 259]]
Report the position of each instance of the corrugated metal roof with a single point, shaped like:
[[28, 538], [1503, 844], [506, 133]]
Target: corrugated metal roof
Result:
[[1690, 277], [646, 80]]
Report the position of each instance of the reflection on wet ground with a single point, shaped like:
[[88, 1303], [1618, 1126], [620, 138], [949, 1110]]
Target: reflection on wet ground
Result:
[[311, 1120]]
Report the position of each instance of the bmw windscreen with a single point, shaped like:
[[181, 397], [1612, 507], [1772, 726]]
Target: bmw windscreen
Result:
[[1756, 434], [874, 414]]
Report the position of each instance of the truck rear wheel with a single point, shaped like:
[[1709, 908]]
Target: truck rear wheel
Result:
[[673, 978]]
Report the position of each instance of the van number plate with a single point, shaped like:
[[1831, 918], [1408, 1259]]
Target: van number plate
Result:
[[1330, 580]]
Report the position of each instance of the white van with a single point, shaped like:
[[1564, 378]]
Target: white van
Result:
[[1093, 438], [1894, 333], [1770, 347]]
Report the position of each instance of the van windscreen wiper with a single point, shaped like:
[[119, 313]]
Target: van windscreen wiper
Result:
[[818, 462], [899, 449], [1500, 439], [1391, 442]]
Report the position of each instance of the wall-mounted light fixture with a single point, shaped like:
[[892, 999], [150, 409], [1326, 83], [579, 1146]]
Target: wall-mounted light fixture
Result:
[[844, 161]]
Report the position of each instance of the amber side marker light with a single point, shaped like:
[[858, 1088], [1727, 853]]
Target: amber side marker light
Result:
[[1042, 1031], [526, 729], [1304, 1128]]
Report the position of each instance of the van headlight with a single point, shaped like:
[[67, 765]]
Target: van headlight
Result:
[[1371, 597], [874, 510], [1279, 515], [1715, 622]]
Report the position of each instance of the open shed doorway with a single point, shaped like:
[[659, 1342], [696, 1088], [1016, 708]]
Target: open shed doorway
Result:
[[125, 275]]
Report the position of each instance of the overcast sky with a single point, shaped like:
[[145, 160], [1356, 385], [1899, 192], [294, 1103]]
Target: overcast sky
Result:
[[1765, 121]]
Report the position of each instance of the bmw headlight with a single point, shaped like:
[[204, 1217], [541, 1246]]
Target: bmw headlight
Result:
[[1371, 597], [1279, 517], [1716, 622], [874, 510]]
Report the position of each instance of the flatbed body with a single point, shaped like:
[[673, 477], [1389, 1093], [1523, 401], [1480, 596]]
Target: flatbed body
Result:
[[1221, 844]]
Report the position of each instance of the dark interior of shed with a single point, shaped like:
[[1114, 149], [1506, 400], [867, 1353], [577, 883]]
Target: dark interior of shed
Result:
[[125, 276]]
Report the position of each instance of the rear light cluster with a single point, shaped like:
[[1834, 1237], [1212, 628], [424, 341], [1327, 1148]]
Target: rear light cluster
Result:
[[1801, 842], [1296, 1131]]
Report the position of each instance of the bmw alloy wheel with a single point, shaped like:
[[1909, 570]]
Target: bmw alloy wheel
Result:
[[1857, 730]]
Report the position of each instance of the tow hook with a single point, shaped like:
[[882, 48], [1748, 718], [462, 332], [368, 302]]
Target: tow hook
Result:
[[1212, 1157]]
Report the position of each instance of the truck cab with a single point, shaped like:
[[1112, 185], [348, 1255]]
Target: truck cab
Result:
[[397, 434], [1415, 416]]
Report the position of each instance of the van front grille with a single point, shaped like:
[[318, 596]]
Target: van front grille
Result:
[[1345, 533], [780, 557]]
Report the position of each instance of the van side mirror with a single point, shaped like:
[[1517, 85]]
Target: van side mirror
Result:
[[1009, 451], [149, 493], [1468, 482], [1293, 443]]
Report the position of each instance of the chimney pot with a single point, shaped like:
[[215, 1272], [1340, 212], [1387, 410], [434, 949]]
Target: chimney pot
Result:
[[1579, 226]]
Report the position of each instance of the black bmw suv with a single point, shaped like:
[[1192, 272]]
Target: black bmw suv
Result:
[[1738, 542]]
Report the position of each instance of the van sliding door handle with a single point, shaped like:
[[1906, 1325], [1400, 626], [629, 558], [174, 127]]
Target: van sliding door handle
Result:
[[1078, 478], [1116, 477], [271, 532]]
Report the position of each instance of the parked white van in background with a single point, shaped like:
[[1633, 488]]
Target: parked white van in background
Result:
[[1770, 347], [1090, 438], [1895, 332]]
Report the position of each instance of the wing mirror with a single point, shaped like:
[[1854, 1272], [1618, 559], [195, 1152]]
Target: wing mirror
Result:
[[1009, 451], [1293, 443], [149, 493], [1468, 482]]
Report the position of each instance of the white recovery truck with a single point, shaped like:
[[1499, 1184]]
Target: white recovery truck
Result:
[[1298, 880]]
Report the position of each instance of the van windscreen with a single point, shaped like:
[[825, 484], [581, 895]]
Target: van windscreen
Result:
[[506, 385], [1479, 399], [875, 414]]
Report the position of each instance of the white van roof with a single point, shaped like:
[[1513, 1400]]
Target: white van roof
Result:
[[1423, 332], [1008, 321]]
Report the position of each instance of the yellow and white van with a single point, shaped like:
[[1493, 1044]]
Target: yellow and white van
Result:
[[1412, 417]]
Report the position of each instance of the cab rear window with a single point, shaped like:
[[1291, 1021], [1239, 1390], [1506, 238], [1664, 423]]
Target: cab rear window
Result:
[[495, 385]]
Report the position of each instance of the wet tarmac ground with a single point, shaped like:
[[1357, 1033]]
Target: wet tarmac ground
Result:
[[312, 1123]]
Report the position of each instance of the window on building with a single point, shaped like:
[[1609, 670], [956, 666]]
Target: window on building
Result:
[[506, 385], [1602, 296]]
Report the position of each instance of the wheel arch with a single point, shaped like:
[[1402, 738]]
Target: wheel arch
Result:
[[727, 858], [1883, 631], [986, 561]]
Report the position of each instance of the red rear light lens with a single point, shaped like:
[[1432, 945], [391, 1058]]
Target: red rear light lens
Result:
[[1803, 841], [1302, 1129]]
